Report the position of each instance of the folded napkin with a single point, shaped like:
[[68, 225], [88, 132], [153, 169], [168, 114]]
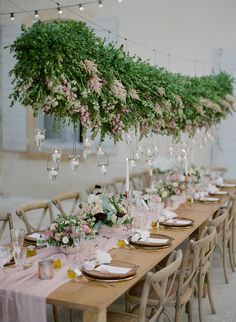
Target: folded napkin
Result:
[[212, 188], [89, 265], [139, 233], [113, 269], [179, 221], [200, 194], [103, 257], [154, 240], [167, 214], [219, 181]]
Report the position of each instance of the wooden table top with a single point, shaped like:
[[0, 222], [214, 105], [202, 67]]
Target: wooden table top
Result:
[[95, 296]]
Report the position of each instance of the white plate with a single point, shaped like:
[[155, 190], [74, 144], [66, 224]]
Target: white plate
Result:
[[209, 199], [219, 193]]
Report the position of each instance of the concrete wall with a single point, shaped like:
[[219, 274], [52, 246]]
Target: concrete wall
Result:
[[186, 28]]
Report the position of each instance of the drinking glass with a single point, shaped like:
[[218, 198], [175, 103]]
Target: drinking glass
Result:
[[17, 236], [5, 256], [19, 254], [78, 237]]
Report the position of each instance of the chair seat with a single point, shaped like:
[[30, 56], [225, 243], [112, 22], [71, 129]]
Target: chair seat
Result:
[[122, 317]]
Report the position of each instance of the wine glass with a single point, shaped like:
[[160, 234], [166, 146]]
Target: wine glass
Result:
[[5, 256]]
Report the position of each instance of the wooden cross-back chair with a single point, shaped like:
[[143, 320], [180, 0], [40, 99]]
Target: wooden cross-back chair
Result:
[[162, 283], [203, 251], [60, 200], [5, 219], [31, 210], [182, 292]]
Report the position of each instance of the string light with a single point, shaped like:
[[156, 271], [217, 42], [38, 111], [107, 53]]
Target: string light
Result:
[[100, 3], [12, 16], [59, 11]]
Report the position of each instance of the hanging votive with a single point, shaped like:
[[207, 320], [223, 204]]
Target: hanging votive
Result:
[[155, 150], [52, 168], [149, 152], [100, 151], [103, 163], [39, 135], [56, 154], [87, 147], [74, 162]]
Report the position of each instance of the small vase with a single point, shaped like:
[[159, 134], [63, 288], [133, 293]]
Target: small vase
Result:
[[67, 250]]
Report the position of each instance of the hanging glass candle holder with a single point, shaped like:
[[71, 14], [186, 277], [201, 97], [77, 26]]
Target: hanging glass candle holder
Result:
[[56, 154], [100, 151], [103, 163], [149, 152], [52, 168], [39, 135], [155, 150], [74, 157], [87, 147], [74, 161]]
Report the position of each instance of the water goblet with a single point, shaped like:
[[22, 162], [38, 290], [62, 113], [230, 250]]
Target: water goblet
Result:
[[19, 254], [17, 236]]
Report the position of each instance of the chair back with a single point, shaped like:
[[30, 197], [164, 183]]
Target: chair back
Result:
[[163, 283], [5, 219], [62, 200], [187, 275], [203, 250], [30, 211], [219, 222]]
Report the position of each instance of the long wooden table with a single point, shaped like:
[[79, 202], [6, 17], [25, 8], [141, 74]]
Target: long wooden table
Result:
[[94, 298]]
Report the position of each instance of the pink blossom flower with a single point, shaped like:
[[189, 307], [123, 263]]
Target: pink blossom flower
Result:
[[134, 94], [89, 66], [174, 177], [86, 229], [118, 90], [95, 84]]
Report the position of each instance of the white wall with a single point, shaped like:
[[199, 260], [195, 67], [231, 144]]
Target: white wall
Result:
[[186, 28]]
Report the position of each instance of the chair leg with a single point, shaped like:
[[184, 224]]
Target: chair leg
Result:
[[55, 313], [225, 263], [71, 315], [209, 289], [231, 254], [178, 311], [189, 310], [200, 293]]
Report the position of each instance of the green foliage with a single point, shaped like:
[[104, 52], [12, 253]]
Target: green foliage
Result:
[[63, 69]]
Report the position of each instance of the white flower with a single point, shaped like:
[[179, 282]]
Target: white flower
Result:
[[164, 194], [113, 218], [65, 240], [175, 184], [93, 198]]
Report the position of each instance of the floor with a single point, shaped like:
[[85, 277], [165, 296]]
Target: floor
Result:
[[224, 294]]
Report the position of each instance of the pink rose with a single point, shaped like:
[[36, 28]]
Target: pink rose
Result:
[[174, 177], [178, 192], [57, 237], [86, 229]]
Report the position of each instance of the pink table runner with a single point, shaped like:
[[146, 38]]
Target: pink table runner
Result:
[[23, 295]]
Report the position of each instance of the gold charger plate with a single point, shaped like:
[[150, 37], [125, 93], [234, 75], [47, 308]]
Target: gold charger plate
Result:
[[177, 223], [147, 245], [107, 276], [110, 281], [209, 200]]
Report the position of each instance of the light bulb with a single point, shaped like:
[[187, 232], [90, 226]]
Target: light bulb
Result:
[[12, 16], [81, 8], [100, 4], [36, 14]]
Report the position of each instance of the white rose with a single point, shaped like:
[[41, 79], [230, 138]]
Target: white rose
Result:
[[164, 194], [113, 218], [65, 240], [93, 199], [175, 184]]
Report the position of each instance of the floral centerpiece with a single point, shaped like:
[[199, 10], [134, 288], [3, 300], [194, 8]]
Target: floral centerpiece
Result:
[[104, 209], [60, 234], [172, 186]]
